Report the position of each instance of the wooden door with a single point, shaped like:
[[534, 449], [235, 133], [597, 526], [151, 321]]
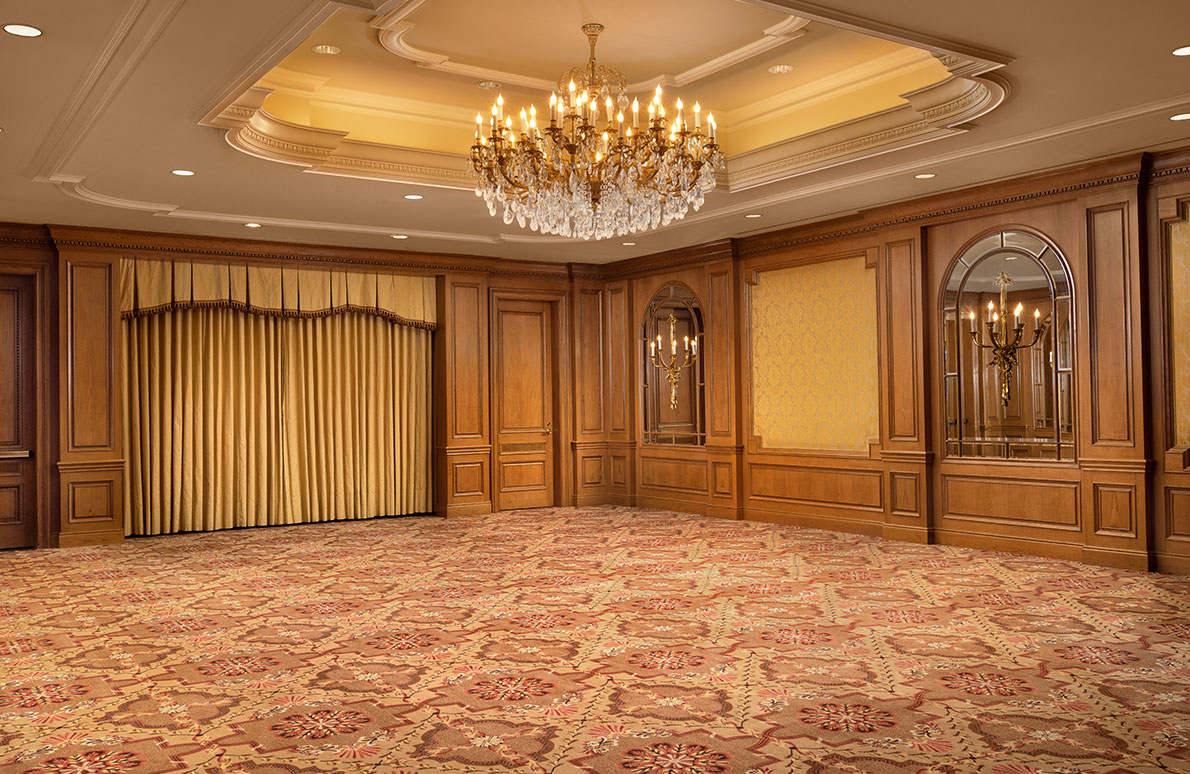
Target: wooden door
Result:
[[18, 474], [523, 403]]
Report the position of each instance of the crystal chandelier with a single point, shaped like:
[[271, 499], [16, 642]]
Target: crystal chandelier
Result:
[[577, 178]]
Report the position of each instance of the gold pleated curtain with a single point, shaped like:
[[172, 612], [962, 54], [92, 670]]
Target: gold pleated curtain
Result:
[[266, 396]]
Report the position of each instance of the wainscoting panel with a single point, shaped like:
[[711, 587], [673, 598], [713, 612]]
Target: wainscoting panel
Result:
[[1034, 508], [824, 487]]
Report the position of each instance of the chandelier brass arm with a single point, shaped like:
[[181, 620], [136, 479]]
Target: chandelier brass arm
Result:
[[1006, 342], [673, 369], [591, 172]]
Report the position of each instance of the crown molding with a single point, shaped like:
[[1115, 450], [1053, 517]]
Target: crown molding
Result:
[[971, 59], [884, 67], [136, 30], [394, 26], [75, 186], [83, 238], [932, 113]]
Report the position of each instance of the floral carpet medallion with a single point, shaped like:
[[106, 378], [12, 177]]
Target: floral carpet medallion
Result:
[[601, 640]]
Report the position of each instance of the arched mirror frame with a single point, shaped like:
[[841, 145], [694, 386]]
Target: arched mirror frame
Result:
[[661, 425], [1027, 243]]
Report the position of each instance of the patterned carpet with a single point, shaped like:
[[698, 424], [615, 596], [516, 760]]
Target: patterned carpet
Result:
[[584, 640]]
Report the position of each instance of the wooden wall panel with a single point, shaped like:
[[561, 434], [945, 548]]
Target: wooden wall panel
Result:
[[719, 351], [92, 416], [1168, 290], [902, 334], [1011, 505], [822, 486], [1109, 301], [468, 345], [620, 336], [669, 473], [463, 453], [588, 358], [91, 455]]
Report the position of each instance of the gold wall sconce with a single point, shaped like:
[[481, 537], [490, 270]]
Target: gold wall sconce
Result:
[[673, 369], [1005, 341]]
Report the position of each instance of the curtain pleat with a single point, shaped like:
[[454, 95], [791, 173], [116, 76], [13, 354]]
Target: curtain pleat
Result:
[[237, 419]]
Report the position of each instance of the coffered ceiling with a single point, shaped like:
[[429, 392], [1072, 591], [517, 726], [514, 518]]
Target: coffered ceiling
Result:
[[325, 148]]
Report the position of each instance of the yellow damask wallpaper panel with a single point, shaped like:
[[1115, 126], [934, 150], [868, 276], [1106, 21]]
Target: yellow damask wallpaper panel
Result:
[[814, 360], [1179, 327]]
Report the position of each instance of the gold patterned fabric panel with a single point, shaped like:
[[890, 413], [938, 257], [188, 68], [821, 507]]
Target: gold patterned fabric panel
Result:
[[814, 359], [1179, 327]]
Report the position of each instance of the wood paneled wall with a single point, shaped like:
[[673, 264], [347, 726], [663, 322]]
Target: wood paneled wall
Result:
[[1124, 500]]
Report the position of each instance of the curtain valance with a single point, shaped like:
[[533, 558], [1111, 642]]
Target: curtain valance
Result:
[[150, 286]]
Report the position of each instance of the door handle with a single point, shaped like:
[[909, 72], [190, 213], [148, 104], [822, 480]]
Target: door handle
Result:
[[15, 454], [549, 429]]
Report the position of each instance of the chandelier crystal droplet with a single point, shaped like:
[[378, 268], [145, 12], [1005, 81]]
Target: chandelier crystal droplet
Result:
[[576, 178]]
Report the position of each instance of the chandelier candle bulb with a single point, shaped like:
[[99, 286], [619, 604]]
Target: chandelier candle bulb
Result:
[[1036, 318], [697, 117], [588, 175]]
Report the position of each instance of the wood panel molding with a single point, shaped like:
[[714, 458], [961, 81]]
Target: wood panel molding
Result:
[[830, 487], [1036, 503], [1109, 310]]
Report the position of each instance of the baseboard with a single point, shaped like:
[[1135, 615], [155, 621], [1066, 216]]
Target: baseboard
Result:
[[1071, 551], [832, 523], [1123, 560], [466, 509], [90, 539], [1174, 564], [905, 534], [725, 512]]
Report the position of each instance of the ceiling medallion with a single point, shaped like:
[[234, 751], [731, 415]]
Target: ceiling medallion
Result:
[[576, 178]]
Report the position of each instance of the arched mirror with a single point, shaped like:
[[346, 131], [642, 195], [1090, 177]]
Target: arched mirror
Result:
[[671, 350], [1008, 350]]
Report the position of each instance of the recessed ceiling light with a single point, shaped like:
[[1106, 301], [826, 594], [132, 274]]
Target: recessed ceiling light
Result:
[[628, 244], [488, 85], [252, 225], [413, 197], [399, 236], [1180, 117], [925, 176], [753, 215], [781, 69], [1183, 51], [181, 172], [327, 49], [22, 30]]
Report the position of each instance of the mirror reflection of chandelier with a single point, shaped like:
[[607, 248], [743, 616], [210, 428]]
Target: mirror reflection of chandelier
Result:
[[1005, 341], [599, 168], [673, 368]]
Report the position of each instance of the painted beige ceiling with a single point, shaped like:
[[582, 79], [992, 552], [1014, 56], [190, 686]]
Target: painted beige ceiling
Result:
[[377, 96], [116, 93]]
